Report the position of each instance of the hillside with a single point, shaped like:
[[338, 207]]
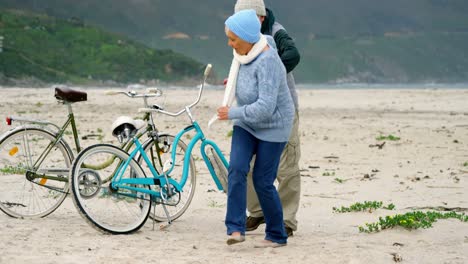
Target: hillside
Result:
[[46, 49], [408, 58], [399, 36]]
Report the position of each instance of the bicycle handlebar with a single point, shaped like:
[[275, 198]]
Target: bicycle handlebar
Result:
[[160, 110], [150, 92]]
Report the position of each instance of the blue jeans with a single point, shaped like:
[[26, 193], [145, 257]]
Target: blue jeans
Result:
[[243, 146]]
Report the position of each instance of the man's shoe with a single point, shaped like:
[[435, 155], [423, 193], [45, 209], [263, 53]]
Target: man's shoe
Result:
[[252, 223], [289, 231]]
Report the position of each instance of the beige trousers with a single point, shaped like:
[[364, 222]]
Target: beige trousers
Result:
[[289, 180]]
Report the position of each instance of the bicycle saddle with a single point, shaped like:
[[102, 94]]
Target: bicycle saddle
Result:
[[125, 127], [70, 95]]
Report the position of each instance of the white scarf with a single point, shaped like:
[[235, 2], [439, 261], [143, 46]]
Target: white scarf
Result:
[[230, 91]]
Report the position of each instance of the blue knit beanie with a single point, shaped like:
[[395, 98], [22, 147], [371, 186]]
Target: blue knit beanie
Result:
[[245, 25]]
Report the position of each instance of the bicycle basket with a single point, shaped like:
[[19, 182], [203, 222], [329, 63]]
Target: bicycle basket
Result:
[[218, 166]]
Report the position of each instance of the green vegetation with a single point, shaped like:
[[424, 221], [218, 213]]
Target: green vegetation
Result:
[[55, 50], [366, 206], [389, 137], [410, 220], [375, 42], [328, 173], [215, 204], [12, 170], [465, 164], [338, 180]]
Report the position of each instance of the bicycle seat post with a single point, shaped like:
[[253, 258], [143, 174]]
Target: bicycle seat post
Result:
[[69, 107], [71, 119]]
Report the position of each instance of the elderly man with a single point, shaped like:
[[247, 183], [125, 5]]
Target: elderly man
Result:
[[289, 178]]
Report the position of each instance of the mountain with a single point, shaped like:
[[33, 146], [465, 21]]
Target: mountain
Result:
[[339, 40], [46, 49]]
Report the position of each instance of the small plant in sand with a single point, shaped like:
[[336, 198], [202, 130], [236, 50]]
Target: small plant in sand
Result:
[[465, 164], [229, 134], [39, 104], [338, 180], [214, 204], [328, 173], [389, 137], [410, 221], [366, 206], [12, 170]]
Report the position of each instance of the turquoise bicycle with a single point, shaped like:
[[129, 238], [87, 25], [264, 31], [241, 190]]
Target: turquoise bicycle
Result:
[[123, 204]]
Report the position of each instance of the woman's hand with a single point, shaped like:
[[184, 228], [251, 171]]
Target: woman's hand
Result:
[[223, 113]]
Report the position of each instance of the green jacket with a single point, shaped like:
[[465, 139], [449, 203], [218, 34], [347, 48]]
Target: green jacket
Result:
[[284, 43], [286, 50]]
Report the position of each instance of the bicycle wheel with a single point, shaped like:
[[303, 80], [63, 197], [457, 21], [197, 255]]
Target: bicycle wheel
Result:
[[23, 193], [179, 202], [117, 211]]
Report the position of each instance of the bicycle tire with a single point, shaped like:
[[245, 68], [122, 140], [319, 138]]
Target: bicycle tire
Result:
[[112, 211], [177, 205], [35, 197]]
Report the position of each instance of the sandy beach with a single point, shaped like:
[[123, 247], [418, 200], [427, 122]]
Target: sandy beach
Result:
[[338, 128]]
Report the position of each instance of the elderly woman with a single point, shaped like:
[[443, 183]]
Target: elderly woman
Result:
[[263, 120]]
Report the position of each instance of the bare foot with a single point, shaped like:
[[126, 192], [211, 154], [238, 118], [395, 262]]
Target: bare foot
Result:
[[234, 238], [268, 244]]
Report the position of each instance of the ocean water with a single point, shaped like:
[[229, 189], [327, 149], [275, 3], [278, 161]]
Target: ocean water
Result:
[[384, 86], [350, 86], [316, 86]]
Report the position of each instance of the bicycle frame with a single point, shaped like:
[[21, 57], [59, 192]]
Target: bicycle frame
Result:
[[58, 135], [160, 179], [53, 174], [199, 136], [118, 182]]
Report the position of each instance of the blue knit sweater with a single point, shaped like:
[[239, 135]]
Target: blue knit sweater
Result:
[[264, 104]]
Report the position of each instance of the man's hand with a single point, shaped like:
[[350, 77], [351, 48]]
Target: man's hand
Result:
[[223, 113]]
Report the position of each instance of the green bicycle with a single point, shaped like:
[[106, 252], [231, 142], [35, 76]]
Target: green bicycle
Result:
[[35, 158]]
